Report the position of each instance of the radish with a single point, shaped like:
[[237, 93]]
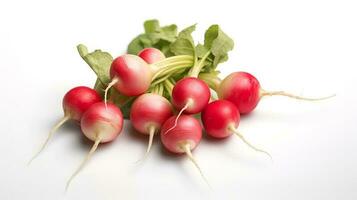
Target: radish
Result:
[[243, 89], [132, 76], [148, 113], [189, 95], [101, 123], [75, 102], [221, 119], [151, 55], [183, 138]]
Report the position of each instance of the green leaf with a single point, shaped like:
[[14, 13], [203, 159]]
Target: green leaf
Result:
[[187, 33], [99, 87], [123, 102], [169, 32], [154, 36], [99, 61], [184, 44], [148, 40], [135, 46], [151, 26], [125, 109], [218, 43], [201, 50], [164, 46], [220, 59]]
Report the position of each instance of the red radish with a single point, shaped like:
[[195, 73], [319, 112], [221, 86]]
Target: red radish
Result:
[[221, 119], [130, 75], [101, 123], [151, 55], [243, 89], [183, 138], [190, 95], [148, 113], [75, 103]]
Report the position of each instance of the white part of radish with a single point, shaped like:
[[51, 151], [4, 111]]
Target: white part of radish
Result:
[[151, 137], [186, 147], [113, 82], [53, 130], [152, 130], [90, 153], [189, 103], [283, 93], [235, 131]]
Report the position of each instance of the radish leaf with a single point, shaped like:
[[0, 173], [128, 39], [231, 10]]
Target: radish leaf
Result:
[[184, 44], [218, 43], [154, 36]]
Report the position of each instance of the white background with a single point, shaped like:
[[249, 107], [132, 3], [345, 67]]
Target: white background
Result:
[[308, 47]]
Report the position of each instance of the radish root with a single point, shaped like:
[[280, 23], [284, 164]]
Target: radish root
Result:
[[53, 130], [113, 82], [235, 131], [187, 148], [151, 138], [89, 155], [189, 103], [282, 93]]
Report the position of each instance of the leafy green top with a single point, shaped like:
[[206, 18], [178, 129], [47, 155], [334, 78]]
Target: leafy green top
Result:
[[206, 56]]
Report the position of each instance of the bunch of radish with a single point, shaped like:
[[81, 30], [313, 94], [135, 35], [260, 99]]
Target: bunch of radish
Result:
[[164, 85]]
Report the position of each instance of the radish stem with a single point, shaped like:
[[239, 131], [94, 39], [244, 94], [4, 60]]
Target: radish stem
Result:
[[171, 68], [211, 79], [195, 70], [53, 130], [168, 61]]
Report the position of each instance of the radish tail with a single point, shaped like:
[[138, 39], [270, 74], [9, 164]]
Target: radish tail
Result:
[[151, 138], [92, 150], [248, 143], [189, 103], [53, 130], [187, 148], [282, 93], [113, 82]]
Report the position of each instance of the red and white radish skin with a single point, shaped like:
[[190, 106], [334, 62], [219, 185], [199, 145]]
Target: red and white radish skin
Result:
[[221, 118], [183, 138], [148, 113], [244, 90], [186, 135], [151, 55], [78, 100], [130, 75], [75, 102], [101, 123], [190, 95]]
